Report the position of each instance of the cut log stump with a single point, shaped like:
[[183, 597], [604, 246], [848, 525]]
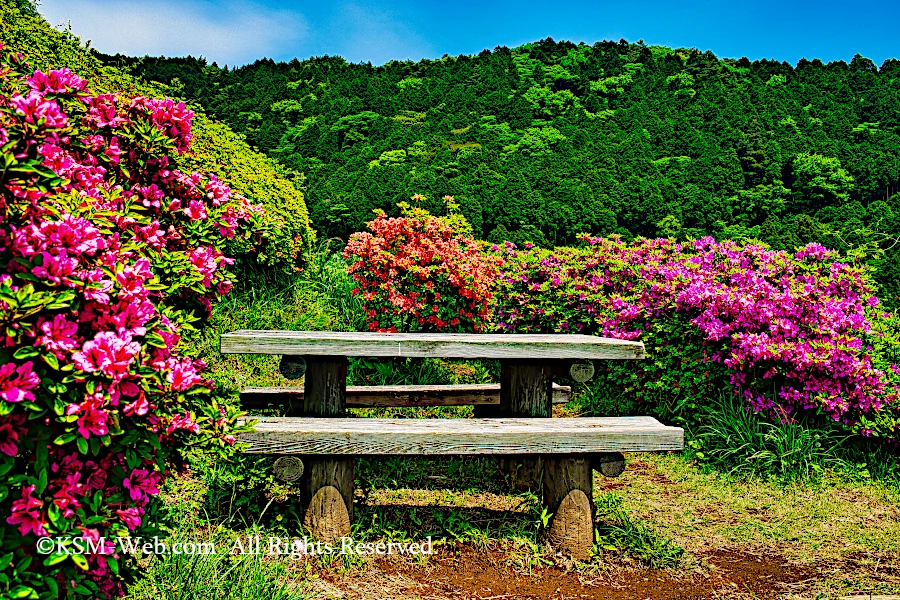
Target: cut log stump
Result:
[[327, 492], [568, 496], [609, 464]]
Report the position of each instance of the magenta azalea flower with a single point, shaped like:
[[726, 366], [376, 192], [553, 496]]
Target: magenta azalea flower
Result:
[[16, 382], [26, 513], [11, 427], [142, 484]]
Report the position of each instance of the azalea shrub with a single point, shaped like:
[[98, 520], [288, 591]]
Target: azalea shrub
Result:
[[421, 272], [107, 256], [794, 333]]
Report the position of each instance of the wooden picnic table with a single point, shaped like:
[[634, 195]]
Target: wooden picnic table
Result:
[[528, 364]]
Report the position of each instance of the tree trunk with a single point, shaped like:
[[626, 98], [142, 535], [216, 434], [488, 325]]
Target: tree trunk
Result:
[[327, 491], [568, 496]]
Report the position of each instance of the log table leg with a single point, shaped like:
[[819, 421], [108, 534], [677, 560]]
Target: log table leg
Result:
[[526, 390], [568, 492], [327, 491]]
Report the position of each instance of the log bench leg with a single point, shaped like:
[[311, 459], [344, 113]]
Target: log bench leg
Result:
[[526, 390], [327, 491], [327, 496], [568, 495]]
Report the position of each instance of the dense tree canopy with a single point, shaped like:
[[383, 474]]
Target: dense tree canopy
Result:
[[550, 139]]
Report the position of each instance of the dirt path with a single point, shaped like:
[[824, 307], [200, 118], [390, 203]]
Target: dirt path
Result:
[[470, 574]]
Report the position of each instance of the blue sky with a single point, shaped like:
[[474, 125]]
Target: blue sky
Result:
[[237, 32]]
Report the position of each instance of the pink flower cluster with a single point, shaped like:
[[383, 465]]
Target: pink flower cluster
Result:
[[105, 251], [789, 328]]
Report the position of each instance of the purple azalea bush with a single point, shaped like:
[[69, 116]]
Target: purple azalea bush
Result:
[[795, 334]]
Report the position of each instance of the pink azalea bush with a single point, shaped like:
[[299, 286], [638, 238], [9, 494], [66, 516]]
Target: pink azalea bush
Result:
[[106, 252], [793, 333]]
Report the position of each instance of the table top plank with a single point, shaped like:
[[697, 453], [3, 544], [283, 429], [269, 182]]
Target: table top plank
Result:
[[345, 436], [430, 345]]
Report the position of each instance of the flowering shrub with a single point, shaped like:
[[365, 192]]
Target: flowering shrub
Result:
[[105, 252], [791, 331], [419, 272]]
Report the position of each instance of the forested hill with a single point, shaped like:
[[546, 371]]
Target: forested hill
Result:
[[553, 138]]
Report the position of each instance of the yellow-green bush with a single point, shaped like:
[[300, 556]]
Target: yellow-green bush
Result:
[[215, 147]]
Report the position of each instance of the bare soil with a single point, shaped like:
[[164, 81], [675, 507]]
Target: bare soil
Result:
[[467, 573]]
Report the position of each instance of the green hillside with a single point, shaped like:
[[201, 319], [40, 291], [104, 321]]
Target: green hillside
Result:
[[215, 148], [550, 139]]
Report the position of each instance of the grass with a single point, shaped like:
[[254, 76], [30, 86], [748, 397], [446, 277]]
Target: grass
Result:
[[217, 575], [618, 531], [835, 524]]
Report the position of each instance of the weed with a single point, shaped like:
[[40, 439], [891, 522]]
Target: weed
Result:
[[618, 531]]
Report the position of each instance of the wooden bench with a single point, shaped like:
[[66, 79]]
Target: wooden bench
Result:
[[520, 425]]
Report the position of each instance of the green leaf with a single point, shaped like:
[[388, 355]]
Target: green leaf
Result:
[[5, 560], [42, 481], [80, 561], [55, 559], [82, 445], [51, 360], [65, 438], [26, 352], [52, 588], [113, 565], [21, 591]]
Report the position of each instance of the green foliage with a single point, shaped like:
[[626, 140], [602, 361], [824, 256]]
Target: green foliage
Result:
[[736, 441], [215, 147]]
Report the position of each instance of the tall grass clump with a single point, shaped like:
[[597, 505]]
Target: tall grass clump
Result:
[[736, 441]]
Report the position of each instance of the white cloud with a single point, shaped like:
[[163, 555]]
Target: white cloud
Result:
[[233, 32]]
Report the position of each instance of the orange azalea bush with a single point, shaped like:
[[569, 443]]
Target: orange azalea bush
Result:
[[420, 272]]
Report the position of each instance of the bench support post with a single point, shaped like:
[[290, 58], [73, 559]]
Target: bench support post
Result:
[[568, 494], [526, 390], [327, 492]]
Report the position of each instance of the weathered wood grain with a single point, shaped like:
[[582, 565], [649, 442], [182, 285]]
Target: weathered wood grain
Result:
[[298, 435], [325, 386], [288, 468], [370, 396], [429, 345]]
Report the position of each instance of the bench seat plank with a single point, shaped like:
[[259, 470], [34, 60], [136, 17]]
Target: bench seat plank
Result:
[[370, 396], [429, 345], [341, 436]]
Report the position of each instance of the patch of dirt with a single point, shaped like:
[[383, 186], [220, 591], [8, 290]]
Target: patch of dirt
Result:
[[470, 574]]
